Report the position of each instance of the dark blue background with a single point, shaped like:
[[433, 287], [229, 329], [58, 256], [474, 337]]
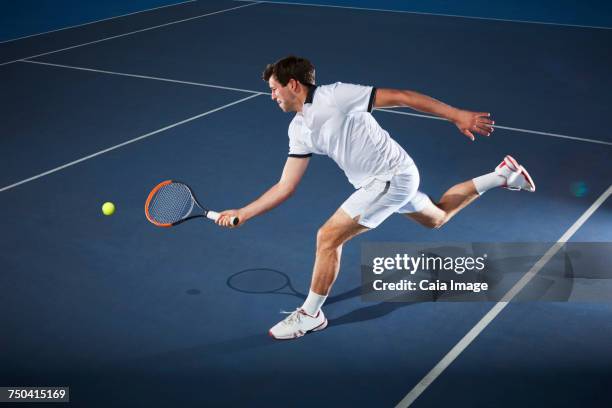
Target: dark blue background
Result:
[[130, 315], [27, 17]]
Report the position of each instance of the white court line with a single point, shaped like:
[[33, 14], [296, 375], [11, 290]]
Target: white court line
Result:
[[95, 21], [136, 139], [499, 306], [130, 33], [435, 14], [141, 76], [535, 132], [267, 93]]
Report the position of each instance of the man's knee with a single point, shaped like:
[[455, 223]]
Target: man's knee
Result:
[[429, 220], [339, 229], [327, 239], [437, 223]]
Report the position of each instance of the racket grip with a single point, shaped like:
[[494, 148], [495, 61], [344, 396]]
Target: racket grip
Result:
[[213, 215]]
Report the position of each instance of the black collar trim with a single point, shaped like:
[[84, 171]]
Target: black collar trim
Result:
[[310, 96]]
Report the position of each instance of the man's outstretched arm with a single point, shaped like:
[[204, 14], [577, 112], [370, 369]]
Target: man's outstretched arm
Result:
[[466, 121], [278, 193]]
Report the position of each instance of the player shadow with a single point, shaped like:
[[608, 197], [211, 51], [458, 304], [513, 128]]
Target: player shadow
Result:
[[279, 282], [200, 355], [369, 313], [546, 286]]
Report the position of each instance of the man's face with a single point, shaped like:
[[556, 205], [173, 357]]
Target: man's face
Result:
[[285, 96]]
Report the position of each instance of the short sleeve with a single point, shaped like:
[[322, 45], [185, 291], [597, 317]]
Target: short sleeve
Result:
[[351, 98], [297, 148]]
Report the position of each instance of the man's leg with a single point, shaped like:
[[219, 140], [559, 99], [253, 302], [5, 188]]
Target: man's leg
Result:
[[331, 236], [507, 174], [336, 231]]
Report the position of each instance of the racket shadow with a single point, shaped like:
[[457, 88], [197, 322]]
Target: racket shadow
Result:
[[261, 281]]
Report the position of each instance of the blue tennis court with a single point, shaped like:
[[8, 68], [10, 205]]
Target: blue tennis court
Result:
[[127, 314]]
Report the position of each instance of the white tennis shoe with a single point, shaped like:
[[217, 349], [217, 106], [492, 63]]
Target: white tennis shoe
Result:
[[516, 176], [297, 324]]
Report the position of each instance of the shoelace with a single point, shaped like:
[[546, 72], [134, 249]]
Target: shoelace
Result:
[[294, 316]]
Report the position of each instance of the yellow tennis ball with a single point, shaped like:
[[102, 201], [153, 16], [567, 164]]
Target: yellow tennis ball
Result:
[[108, 208]]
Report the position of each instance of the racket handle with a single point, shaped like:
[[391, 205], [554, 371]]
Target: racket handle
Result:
[[213, 215]]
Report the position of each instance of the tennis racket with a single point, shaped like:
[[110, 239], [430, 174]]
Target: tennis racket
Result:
[[172, 202]]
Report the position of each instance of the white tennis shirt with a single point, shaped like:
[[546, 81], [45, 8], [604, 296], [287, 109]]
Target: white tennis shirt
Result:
[[336, 121]]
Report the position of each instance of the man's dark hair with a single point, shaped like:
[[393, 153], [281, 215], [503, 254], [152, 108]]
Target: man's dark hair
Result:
[[291, 67]]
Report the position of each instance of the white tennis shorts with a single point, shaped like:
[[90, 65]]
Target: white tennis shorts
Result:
[[377, 200]]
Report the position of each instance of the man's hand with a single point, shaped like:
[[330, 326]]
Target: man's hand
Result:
[[226, 216], [478, 122]]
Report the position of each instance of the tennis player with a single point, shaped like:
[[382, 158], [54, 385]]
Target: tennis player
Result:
[[335, 120]]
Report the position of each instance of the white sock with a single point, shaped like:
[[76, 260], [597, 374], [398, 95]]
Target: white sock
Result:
[[313, 303], [488, 181]]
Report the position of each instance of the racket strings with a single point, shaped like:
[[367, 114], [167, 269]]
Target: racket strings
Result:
[[171, 203]]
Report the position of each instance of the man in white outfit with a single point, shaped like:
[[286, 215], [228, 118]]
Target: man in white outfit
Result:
[[335, 120]]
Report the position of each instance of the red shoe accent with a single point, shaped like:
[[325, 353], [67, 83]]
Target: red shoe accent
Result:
[[321, 326], [528, 178], [513, 162]]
